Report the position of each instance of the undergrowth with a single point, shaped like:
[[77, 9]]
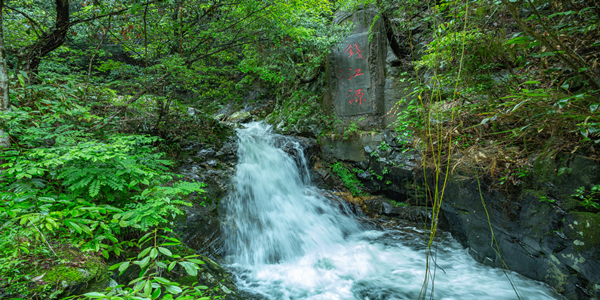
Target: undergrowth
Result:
[[348, 178]]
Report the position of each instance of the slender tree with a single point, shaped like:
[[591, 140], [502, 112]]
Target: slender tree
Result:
[[4, 140]]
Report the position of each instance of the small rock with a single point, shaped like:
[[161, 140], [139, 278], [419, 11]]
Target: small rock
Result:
[[205, 153], [364, 175], [212, 163], [239, 117]]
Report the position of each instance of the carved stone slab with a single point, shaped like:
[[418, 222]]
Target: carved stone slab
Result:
[[353, 77]]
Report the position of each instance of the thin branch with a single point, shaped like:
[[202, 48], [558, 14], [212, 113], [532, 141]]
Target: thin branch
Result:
[[566, 59], [220, 50], [33, 22], [230, 26], [131, 101], [106, 15]]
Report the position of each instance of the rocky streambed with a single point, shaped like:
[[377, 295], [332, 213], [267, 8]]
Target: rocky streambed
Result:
[[550, 242]]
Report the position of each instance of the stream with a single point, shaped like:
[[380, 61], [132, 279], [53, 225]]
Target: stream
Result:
[[284, 240]]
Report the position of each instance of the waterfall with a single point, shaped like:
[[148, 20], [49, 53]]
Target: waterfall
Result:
[[284, 240]]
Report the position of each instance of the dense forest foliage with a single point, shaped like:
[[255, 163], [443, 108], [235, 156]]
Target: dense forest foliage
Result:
[[100, 98]]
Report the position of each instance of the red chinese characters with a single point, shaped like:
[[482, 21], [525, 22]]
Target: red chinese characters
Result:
[[356, 73], [358, 96], [354, 49]]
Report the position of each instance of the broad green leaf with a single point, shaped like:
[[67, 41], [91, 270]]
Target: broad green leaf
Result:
[[124, 267], [171, 266], [165, 251], [173, 289], [153, 253], [190, 268], [196, 261], [156, 293], [162, 280], [147, 288], [94, 295], [143, 253], [144, 262]]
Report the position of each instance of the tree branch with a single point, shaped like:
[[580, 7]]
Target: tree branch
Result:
[[566, 59], [108, 14], [190, 62], [131, 101], [33, 22]]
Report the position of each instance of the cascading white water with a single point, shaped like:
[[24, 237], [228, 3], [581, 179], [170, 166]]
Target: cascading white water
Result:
[[285, 241]]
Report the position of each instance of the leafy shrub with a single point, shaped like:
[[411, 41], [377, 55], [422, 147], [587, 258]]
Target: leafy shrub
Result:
[[348, 178]]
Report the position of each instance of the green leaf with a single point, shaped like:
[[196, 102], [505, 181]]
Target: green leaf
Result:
[[123, 267], [197, 261], [156, 293], [21, 79], [144, 262], [153, 253], [143, 253], [146, 236], [594, 107], [165, 251], [173, 289], [115, 266], [162, 280], [531, 82], [190, 268], [147, 288], [94, 295], [519, 40], [171, 266]]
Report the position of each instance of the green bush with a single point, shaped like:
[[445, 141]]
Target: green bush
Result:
[[348, 178]]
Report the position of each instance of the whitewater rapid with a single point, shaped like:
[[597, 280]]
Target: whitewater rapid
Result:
[[284, 240]]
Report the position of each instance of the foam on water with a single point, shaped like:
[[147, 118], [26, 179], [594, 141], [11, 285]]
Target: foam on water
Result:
[[286, 241]]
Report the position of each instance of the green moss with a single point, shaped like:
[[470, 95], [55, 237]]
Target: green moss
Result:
[[183, 250], [90, 270], [63, 279], [526, 193], [187, 280], [584, 229]]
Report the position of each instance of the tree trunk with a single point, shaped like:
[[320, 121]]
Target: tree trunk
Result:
[[4, 139], [49, 40]]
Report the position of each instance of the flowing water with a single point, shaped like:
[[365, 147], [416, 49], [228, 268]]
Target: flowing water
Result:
[[286, 241]]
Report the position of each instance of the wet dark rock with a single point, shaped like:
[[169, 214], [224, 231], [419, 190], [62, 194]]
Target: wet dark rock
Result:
[[383, 207], [538, 239], [389, 137], [213, 276], [556, 243], [228, 152], [201, 230], [299, 148], [206, 153]]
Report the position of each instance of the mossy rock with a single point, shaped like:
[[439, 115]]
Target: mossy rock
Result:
[[71, 278], [584, 229]]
